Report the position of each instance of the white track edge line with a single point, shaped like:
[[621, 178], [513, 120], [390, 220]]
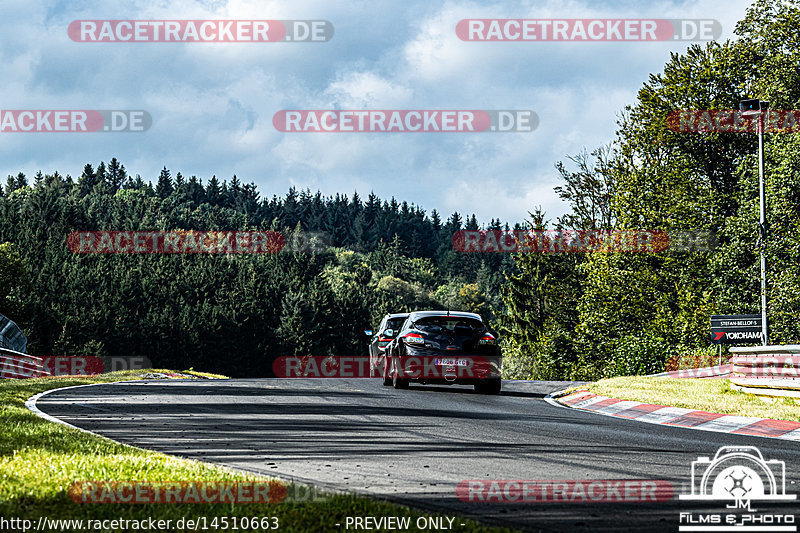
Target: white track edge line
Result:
[[551, 399], [30, 403]]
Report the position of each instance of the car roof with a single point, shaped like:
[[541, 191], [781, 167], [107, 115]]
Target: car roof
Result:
[[396, 315], [423, 314]]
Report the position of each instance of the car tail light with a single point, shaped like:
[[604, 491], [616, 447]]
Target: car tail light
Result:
[[413, 338], [487, 338]]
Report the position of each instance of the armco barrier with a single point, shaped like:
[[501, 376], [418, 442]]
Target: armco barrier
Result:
[[764, 362], [17, 365], [767, 370], [11, 337], [709, 372]]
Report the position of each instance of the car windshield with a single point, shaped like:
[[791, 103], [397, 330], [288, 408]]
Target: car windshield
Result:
[[449, 324], [395, 323]]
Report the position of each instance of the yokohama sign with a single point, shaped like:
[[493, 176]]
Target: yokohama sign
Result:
[[736, 329]]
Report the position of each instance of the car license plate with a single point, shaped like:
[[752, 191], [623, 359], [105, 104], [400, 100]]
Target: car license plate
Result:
[[451, 362]]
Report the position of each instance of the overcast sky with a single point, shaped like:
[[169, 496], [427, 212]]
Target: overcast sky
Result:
[[212, 104]]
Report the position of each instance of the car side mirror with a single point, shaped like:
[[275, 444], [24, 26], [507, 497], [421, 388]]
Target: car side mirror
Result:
[[368, 332], [388, 333]]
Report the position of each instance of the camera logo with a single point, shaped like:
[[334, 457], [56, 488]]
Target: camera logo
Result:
[[738, 473]]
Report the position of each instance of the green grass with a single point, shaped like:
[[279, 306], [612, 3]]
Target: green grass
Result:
[[713, 395], [39, 460]]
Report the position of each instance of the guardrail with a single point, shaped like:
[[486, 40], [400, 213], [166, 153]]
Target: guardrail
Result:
[[767, 370], [17, 365], [709, 372], [767, 362], [11, 337]]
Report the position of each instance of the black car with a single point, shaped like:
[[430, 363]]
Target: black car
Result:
[[381, 337], [445, 347]]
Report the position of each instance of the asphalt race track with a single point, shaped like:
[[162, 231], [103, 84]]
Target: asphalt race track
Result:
[[414, 446]]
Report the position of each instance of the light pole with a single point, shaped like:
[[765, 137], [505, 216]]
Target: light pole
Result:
[[752, 108]]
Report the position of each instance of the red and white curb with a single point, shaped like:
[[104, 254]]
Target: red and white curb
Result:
[[678, 416]]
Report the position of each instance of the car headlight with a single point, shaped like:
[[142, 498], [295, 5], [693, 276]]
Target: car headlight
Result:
[[488, 338]]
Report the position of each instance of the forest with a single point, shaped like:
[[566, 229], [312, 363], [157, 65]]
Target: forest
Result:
[[231, 313]]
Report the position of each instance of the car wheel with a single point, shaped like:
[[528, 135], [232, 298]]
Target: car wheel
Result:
[[488, 386], [387, 378], [397, 381]]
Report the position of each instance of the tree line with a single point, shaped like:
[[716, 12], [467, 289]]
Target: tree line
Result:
[[227, 313]]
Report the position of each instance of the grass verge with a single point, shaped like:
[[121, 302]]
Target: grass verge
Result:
[[713, 395], [39, 460]]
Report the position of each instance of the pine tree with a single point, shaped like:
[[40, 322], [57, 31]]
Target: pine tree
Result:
[[435, 220], [195, 190], [454, 223], [100, 175], [225, 195], [235, 193], [180, 183], [22, 181], [14, 183], [213, 191], [116, 175], [164, 187], [87, 181]]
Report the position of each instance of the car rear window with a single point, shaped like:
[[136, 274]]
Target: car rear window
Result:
[[445, 324]]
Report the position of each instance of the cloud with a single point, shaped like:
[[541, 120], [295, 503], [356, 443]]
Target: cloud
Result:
[[212, 104], [367, 90]]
